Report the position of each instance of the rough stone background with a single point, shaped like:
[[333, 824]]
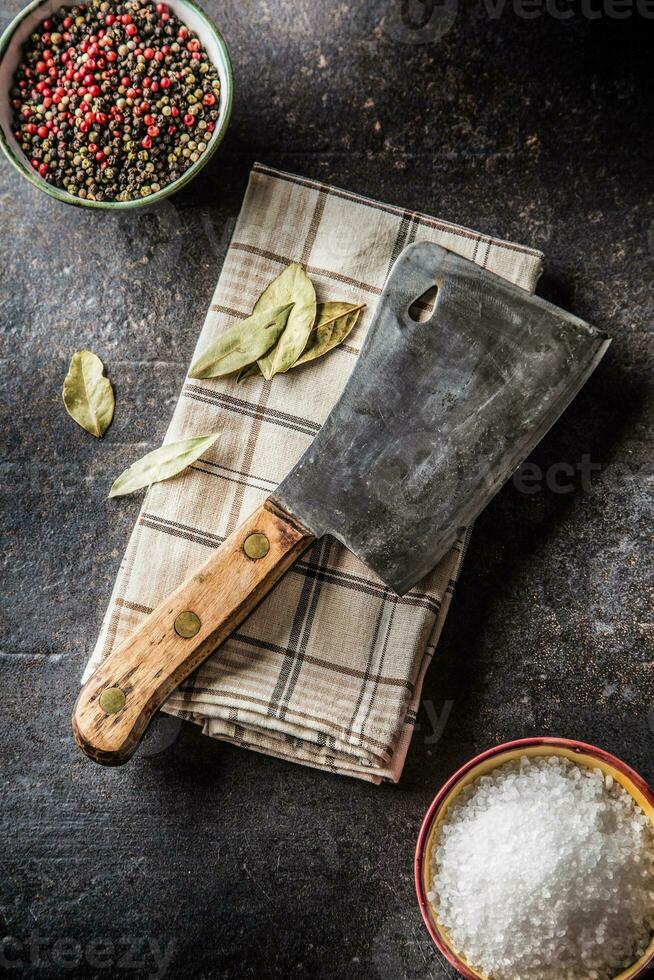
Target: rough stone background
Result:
[[231, 864]]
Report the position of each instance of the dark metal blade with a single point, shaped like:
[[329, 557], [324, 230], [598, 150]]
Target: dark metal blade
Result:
[[437, 415]]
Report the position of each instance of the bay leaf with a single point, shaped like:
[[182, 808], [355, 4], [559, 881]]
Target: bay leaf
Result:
[[243, 343], [251, 371], [161, 464], [292, 286], [334, 321], [88, 395]]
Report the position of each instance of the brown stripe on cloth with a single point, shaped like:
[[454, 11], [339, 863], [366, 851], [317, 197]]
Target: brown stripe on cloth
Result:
[[423, 219], [328, 670], [312, 570], [254, 410], [311, 270]]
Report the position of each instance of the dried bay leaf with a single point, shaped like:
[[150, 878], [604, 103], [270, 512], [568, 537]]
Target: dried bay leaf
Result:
[[243, 343], [251, 371], [292, 286], [161, 464], [88, 395], [334, 321]]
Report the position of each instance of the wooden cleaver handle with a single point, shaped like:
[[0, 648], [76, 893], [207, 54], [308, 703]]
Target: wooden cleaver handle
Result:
[[118, 701]]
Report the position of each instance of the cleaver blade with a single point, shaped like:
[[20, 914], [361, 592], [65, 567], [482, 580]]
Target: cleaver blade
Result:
[[437, 415]]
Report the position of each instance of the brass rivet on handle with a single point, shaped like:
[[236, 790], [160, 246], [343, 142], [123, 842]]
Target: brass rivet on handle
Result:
[[112, 700], [256, 546], [187, 624]]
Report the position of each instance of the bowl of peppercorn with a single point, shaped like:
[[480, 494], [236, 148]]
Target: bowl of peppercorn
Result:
[[113, 105]]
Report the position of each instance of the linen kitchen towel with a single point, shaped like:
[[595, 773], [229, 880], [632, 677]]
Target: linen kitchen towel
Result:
[[328, 670]]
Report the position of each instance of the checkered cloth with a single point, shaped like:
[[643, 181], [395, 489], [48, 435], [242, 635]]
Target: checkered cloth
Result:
[[329, 668]]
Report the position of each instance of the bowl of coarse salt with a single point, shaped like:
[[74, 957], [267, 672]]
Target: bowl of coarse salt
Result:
[[535, 861]]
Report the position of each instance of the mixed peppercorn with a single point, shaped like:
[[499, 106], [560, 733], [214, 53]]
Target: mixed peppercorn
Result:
[[114, 101]]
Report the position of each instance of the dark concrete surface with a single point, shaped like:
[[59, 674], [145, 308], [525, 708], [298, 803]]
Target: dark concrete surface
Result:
[[226, 863]]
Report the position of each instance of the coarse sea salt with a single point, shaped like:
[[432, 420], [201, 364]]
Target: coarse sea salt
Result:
[[544, 870]]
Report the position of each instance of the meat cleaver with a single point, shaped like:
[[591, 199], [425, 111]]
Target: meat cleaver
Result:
[[435, 416]]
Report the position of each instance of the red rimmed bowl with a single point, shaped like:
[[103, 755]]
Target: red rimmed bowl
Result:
[[579, 752]]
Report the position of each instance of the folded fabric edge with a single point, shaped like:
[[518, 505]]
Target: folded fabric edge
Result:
[[439, 223]]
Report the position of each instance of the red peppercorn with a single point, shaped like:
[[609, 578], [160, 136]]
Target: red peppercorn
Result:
[[161, 8], [93, 147], [148, 54], [27, 112], [68, 22], [132, 29], [99, 156], [165, 83], [131, 94], [43, 132], [147, 82], [85, 127], [149, 120], [102, 118], [189, 120], [109, 20], [159, 56], [193, 45], [126, 19], [146, 142], [43, 169], [153, 131], [209, 99], [47, 25], [174, 111], [210, 127], [40, 67], [31, 129], [111, 56], [155, 86], [172, 130]]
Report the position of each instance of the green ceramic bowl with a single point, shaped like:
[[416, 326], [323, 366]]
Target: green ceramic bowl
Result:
[[10, 52]]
